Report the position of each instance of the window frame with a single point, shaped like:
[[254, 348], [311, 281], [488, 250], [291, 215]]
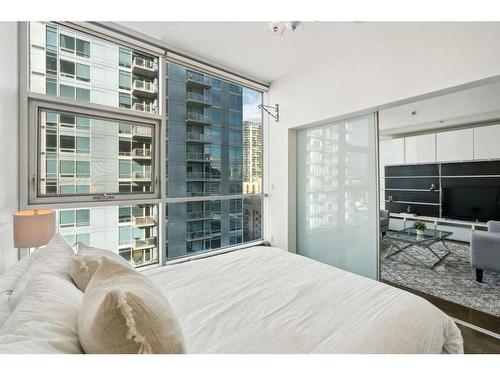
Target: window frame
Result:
[[67, 62], [35, 198], [154, 47]]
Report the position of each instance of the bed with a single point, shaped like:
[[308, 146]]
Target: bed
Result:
[[255, 300], [266, 300]]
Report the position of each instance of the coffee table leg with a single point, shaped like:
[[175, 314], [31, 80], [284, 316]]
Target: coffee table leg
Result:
[[390, 248], [414, 257], [440, 258], [393, 243]]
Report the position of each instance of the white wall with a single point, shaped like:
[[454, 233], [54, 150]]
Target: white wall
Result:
[[411, 60], [8, 140]]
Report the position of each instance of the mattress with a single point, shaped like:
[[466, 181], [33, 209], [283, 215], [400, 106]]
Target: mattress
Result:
[[266, 300]]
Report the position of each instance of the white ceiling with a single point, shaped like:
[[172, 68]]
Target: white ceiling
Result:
[[249, 48]]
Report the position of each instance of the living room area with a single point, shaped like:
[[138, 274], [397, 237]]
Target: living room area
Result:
[[439, 180]]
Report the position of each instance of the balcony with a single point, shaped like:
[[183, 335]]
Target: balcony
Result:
[[197, 98], [202, 215], [202, 176], [142, 131], [198, 156], [144, 244], [125, 243], [141, 153], [145, 67], [141, 176], [198, 137], [146, 221], [136, 131], [144, 257], [198, 235], [143, 262], [198, 118], [198, 79], [145, 107], [201, 193], [144, 88]]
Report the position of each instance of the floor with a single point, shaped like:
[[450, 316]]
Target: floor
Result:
[[475, 342], [452, 280], [451, 286]]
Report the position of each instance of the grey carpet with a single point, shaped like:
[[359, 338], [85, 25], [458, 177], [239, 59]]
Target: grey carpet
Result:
[[453, 280]]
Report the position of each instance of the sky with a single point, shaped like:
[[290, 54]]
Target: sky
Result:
[[251, 100]]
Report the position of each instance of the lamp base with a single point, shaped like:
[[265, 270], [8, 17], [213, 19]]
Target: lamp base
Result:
[[26, 251]]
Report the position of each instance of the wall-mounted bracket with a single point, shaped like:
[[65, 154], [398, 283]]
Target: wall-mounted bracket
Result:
[[275, 108]]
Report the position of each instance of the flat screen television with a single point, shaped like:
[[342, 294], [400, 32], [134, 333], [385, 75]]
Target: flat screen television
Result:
[[471, 203]]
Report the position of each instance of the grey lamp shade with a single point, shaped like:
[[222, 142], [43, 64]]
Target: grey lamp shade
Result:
[[34, 228]]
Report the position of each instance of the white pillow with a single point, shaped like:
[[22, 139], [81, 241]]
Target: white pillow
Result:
[[8, 281], [85, 250], [86, 262], [123, 312], [53, 258], [45, 319]]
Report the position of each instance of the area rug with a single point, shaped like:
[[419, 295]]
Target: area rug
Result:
[[453, 280]]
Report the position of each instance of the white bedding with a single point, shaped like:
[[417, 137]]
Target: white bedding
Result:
[[265, 300]]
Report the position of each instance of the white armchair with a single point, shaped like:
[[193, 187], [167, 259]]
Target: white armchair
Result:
[[485, 250]]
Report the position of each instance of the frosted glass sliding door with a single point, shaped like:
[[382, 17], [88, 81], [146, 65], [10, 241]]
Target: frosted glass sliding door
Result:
[[337, 208]]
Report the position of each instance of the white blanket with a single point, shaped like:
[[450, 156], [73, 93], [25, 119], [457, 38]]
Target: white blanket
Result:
[[265, 300]]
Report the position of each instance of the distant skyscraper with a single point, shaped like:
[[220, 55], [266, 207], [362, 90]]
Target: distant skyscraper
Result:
[[252, 157]]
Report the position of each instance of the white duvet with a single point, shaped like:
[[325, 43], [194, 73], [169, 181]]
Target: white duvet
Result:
[[266, 300]]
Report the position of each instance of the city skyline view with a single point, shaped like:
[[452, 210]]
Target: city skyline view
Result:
[[213, 147]]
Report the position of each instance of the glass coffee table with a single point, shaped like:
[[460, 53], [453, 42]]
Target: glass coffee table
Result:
[[406, 238]]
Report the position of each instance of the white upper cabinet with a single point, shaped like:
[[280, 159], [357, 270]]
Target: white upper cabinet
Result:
[[420, 149], [392, 151], [455, 145], [487, 142]]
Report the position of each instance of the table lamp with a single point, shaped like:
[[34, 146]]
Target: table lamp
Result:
[[33, 228]]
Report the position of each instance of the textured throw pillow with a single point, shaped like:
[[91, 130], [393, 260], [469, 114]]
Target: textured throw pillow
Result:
[[86, 262], [45, 319], [123, 312], [53, 258]]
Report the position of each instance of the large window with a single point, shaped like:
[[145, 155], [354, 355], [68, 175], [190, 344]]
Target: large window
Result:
[[218, 126], [101, 161]]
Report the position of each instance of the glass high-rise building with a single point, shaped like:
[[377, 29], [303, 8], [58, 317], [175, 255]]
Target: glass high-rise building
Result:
[[184, 189], [76, 65], [252, 157], [205, 159]]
